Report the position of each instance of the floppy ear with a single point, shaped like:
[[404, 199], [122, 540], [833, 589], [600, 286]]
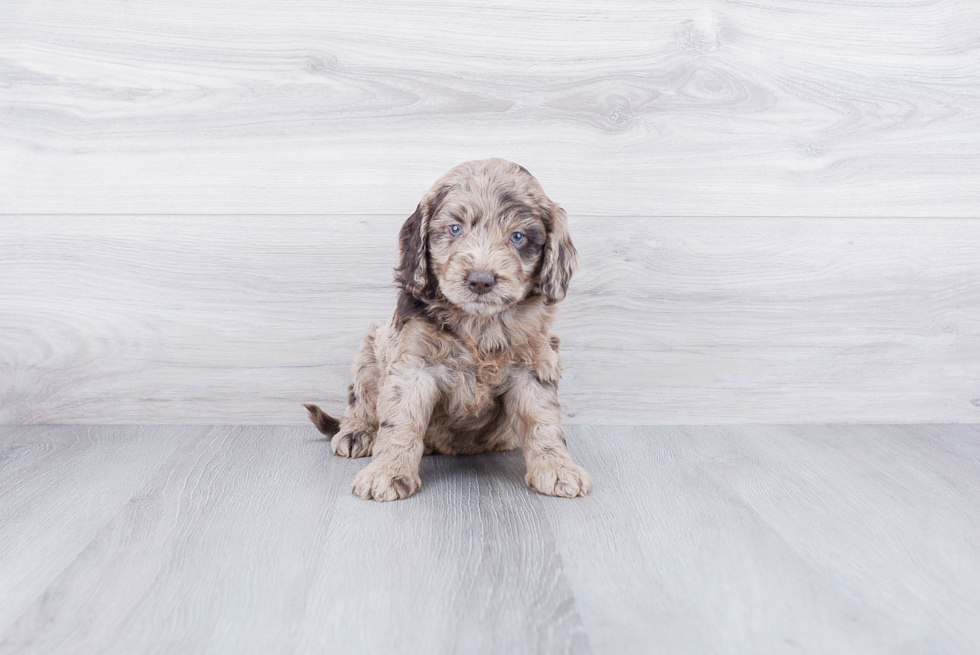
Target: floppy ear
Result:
[[559, 260], [413, 246], [412, 273]]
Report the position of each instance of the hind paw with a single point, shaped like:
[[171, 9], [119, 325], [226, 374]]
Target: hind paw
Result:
[[352, 443]]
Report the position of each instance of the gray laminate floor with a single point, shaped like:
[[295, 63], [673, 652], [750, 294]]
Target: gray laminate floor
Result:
[[757, 539]]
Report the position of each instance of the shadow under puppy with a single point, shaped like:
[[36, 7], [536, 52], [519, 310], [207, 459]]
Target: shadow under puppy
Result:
[[467, 363]]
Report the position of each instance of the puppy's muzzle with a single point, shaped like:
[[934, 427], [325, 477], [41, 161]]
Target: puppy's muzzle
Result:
[[480, 282]]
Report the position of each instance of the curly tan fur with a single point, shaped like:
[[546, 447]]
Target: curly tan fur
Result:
[[456, 371]]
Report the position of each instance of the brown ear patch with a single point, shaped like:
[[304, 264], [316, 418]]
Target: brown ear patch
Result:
[[412, 272], [559, 260]]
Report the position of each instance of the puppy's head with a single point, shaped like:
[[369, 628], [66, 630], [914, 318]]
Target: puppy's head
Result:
[[485, 237]]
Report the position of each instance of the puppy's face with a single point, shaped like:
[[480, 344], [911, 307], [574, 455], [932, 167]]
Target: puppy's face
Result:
[[484, 237], [484, 250]]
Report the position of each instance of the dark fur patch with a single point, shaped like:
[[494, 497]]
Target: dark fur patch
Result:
[[401, 485], [412, 245], [358, 443], [325, 423], [535, 235], [533, 247], [414, 249], [509, 204], [351, 396], [563, 260], [547, 384], [408, 307], [555, 277]]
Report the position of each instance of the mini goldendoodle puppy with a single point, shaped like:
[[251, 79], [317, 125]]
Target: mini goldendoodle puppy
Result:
[[467, 363]]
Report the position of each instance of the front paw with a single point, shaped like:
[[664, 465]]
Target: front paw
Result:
[[352, 443], [384, 481], [562, 478]]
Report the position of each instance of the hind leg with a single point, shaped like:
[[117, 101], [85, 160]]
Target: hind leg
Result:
[[359, 426]]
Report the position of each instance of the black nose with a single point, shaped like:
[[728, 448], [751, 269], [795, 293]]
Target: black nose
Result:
[[480, 282]]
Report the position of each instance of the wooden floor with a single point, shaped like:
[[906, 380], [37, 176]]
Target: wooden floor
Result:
[[749, 539]]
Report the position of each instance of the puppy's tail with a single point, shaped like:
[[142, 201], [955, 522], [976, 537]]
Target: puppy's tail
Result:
[[325, 423]]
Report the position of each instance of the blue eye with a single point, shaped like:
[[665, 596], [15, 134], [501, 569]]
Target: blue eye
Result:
[[517, 238], [456, 229]]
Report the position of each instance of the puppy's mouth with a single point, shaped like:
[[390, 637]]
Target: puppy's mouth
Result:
[[483, 302], [486, 304]]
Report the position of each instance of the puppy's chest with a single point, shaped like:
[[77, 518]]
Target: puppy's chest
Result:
[[473, 383]]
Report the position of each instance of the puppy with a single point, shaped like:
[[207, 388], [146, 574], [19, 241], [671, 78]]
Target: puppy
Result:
[[467, 363]]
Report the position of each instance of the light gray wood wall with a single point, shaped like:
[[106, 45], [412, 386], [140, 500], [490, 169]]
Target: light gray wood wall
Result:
[[693, 107], [778, 203], [159, 319]]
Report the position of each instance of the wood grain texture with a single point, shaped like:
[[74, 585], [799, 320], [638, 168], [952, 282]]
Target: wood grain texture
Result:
[[470, 567], [795, 108], [776, 539], [248, 541], [241, 319], [726, 539], [215, 551], [58, 489]]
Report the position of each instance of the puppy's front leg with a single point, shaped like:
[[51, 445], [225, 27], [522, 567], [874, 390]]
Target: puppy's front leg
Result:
[[533, 403], [405, 404]]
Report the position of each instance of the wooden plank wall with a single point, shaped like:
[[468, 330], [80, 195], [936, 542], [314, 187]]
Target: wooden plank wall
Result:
[[777, 203]]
